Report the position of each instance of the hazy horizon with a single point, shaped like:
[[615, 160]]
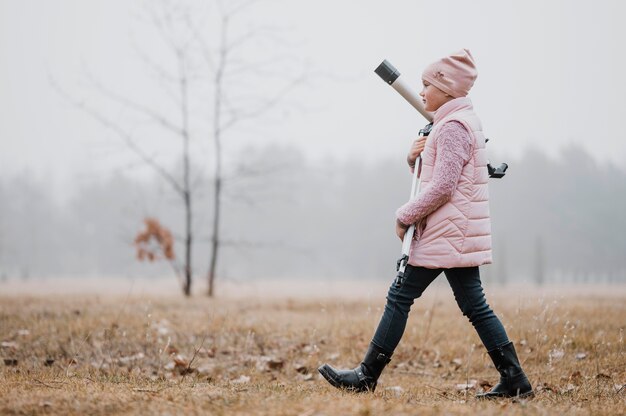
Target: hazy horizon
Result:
[[326, 162]]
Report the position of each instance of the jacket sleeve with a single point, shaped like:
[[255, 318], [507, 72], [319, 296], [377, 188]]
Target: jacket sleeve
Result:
[[454, 146]]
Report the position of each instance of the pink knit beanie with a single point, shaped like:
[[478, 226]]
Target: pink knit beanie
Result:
[[454, 74]]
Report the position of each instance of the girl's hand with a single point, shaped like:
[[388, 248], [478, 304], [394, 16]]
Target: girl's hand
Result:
[[401, 229], [416, 149]]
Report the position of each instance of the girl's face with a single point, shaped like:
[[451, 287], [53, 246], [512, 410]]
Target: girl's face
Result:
[[433, 97]]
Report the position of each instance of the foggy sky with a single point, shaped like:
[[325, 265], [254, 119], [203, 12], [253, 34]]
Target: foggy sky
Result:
[[550, 73]]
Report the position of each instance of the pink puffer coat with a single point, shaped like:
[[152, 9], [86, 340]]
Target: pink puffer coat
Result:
[[457, 234]]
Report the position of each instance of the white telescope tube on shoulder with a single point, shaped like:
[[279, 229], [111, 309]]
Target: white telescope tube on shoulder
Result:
[[391, 76]]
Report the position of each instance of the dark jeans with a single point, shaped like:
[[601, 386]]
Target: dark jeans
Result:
[[468, 292]]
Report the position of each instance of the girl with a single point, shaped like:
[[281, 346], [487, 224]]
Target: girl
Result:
[[453, 232]]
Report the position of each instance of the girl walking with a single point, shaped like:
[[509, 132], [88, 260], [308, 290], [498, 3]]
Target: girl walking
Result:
[[452, 232]]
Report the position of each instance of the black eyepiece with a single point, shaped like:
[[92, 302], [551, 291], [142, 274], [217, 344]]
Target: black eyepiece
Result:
[[387, 72]]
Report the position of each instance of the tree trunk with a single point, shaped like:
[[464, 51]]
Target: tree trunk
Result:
[[217, 133], [188, 245], [186, 174], [215, 241]]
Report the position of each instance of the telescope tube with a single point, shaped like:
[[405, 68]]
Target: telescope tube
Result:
[[391, 76]]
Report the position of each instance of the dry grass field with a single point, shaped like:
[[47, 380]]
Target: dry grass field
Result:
[[103, 354]]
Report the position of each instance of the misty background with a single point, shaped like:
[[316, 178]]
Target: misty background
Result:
[[311, 183]]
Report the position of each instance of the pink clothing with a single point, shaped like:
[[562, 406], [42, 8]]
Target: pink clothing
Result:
[[452, 211], [454, 74], [454, 148]]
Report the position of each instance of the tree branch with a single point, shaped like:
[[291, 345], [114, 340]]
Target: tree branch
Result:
[[163, 75], [135, 106], [266, 106], [238, 8], [123, 134]]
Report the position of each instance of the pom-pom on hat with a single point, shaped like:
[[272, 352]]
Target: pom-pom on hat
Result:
[[454, 74]]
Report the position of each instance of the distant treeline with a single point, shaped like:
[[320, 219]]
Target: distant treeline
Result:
[[554, 220]]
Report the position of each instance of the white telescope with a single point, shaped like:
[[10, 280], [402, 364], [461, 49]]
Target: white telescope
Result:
[[391, 76]]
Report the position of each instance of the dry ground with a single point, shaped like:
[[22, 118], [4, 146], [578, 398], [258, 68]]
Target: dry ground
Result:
[[90, 354]]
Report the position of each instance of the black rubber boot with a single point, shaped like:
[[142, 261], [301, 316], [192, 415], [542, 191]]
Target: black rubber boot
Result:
[[513, 381], [364, 377]]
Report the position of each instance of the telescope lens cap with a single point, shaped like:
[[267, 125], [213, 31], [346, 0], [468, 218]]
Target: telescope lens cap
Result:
[[387, 72]]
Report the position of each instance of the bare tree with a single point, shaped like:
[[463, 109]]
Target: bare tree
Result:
[[226, 112], [181, 51], [186, 39]]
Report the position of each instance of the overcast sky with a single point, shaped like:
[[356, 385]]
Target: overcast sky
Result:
[[550, 73]]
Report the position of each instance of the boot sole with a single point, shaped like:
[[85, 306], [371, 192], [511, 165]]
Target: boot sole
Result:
[[527, 395]]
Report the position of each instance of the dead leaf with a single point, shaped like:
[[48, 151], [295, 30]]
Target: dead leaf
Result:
[[180, 365], [568, 389], [206, 352], [180, 361], [395, 390], [470, 385], [603, 376], [310, 349], [576, 378], [186, 370], [131, 358], [581, 355], [546, 387], [556, 354], [9, 345], [241, 380], [206, 369], [401, 366], [264, 363], [301, 368], [484, 384], [275, 364], [304, 377], [457, 363]]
